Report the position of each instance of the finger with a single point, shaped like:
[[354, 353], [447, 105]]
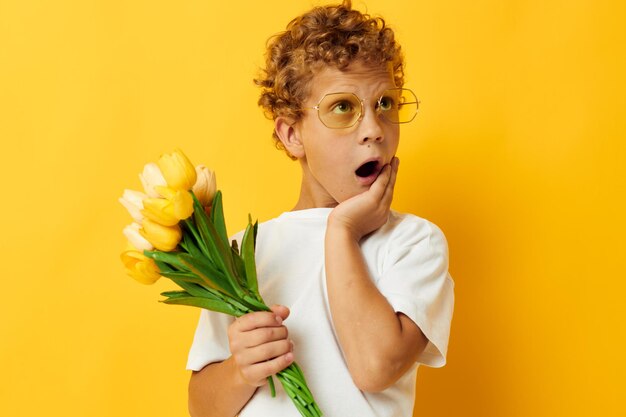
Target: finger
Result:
[[263, 335], [259, 372], [281, 311], [378, 187], [257, 320], [388, 194], [265, 352], [395, 165]]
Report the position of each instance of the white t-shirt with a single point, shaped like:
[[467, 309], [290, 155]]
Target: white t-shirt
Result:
[[408, 260]]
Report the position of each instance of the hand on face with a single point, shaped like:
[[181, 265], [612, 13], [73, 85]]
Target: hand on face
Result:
[[368, 211]]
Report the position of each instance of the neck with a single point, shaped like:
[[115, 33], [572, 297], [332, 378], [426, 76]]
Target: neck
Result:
[[312, 195]]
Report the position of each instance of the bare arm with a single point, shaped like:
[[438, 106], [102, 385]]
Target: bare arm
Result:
[[379, 344], [218, 390], [260, 347]]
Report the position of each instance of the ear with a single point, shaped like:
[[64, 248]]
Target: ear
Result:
[[289, 136]]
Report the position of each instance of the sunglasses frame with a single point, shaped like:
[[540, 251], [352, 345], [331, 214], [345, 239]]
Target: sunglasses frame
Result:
[[362, 102]]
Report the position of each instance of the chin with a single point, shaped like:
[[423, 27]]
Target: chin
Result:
[[348, 196]]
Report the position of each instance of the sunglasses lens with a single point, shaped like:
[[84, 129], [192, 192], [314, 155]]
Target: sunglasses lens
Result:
[[342, 110], [398, 105], [338, 110]]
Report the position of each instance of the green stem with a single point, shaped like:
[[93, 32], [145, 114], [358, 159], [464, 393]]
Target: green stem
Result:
[[196, 234], [294, 384], [270, 380]]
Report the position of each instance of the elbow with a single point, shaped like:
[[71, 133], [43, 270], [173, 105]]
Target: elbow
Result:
[[372, 385], [376, 376], [195, 398], [191, 406]]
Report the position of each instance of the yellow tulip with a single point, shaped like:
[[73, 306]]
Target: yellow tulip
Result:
[[168, 211], [178, 172], [137, 241], [164, 238], [133, 201], [205, 185], [140, 267], [151, 177], [159, 210], [183, 204]]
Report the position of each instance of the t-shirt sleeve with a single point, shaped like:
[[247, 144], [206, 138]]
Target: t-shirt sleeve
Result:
[[416, 283], [210, 343]]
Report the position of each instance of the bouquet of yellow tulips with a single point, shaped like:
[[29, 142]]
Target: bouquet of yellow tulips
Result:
[[179, 233]]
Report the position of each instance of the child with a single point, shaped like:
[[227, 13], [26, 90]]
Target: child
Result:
[[366, 289]]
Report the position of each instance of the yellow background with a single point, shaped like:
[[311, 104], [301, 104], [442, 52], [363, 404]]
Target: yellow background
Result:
[[518, 155]]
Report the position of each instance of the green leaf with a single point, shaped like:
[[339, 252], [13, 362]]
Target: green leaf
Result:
[[171, 258], [191, 247], [216, 238], [175, 294], [219, 250], [194, 289], [163, 267], [239, 268], [256, 230], [247, 254], [185, 276], [217, 217], [213, 305], [255, 304], [191, 227], [235, 303], [211, 276]]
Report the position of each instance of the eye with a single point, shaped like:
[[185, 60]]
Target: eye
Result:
[[342, 107], [386, 103]]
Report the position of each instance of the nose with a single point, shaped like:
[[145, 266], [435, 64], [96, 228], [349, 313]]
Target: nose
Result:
[[370, 127]]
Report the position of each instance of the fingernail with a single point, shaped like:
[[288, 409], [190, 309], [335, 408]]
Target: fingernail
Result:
[[291, 341], [279, 320]]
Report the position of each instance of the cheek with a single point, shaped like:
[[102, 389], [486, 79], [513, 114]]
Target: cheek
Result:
[[394, 133], [393, 139], [327, 160], [329, 163]]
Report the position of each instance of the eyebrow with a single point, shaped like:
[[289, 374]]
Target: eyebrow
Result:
[[348, 90]]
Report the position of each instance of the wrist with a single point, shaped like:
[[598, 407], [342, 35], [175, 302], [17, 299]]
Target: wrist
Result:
[[339, 231], [237, 377]]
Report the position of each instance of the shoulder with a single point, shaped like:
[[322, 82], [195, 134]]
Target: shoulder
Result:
[[263, 226], [406, 239], [407, 229]]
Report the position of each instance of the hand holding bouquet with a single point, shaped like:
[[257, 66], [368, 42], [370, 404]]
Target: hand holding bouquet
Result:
[[179, 233]]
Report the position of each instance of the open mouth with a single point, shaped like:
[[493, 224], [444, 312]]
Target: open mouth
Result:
[[367, 169]]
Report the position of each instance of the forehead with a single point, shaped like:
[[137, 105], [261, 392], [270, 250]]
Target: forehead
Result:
[[360, 79]]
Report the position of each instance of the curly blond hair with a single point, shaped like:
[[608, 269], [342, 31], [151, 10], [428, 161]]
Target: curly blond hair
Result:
[[325, 36]]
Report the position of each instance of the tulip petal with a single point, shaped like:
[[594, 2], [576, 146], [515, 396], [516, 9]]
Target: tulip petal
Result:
[[140, 267], [177, 170], [164, 238], [183, 205], [134, 237], [161, 211], [165, 191], [133, 202], [150, 178], [205, 186]]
